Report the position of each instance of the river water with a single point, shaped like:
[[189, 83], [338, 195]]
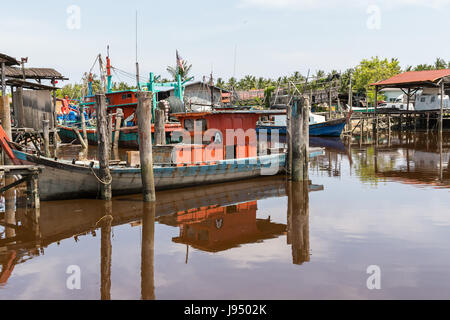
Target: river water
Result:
[[385, 205]]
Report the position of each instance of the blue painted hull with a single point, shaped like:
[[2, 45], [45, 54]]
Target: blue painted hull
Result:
[[331, 128]]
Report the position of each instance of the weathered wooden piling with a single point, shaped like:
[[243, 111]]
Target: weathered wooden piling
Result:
[[83, 128], [144, 115], [300, 139], [160, 128], [104, 149], [441, 113], [119, 117], [106, 251], [289, 140], [33, 191], [5, 111], [148, 252], [110, 129], [299, 198], [46, 134]]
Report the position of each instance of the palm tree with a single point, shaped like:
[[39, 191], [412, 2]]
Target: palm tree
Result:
[[220, 83], [232, 82], [184, 73]]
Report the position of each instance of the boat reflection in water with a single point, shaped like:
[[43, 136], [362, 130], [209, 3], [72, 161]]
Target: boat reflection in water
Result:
[[211, 219]]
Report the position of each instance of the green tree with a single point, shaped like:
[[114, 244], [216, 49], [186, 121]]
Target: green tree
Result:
[[371, 71]]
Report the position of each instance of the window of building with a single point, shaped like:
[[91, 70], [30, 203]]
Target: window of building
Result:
[[189, 124]]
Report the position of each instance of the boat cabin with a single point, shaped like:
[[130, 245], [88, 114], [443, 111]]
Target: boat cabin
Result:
[[217, 135], [125, 100]]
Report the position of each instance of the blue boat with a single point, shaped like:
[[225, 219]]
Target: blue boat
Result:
[[332, 128]]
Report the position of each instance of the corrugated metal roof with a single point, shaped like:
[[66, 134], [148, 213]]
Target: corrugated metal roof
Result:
[[414, 77]]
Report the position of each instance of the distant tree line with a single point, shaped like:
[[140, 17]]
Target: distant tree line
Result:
[[366, 72]]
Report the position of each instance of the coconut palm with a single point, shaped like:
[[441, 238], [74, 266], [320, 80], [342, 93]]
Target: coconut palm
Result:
[[184, 73]]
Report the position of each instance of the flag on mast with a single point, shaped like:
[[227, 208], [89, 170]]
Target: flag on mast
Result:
[[180, 61]]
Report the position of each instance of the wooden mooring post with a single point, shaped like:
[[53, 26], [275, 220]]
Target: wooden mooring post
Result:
[[300, 139], [110, 129], [144, 115], [119, 117], [148, 252], [106, 251], [160, 126], [83, 128], [104, 149], [46, 134]]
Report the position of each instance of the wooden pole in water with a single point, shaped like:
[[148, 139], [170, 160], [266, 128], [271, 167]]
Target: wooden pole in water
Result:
[[376, 111], [289, 139], [160, 128], [83, 127], [389, 125], [104, 149], [110, 129], [350, 92], [148, 252], [144, 115], [5, 111], [46, 133], [119, 117], [106, 252], [300, 222], [441, 115], [300, 139], [329, 103]]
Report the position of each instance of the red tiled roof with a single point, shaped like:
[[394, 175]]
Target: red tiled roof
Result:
[[414, 77]]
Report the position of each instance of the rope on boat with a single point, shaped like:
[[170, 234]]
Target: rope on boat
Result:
[[103, 218], [100, 180]]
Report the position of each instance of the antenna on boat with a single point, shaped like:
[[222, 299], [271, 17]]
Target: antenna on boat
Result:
[[137, 63], [235, 56]]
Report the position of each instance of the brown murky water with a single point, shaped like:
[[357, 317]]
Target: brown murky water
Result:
[[385, 205]]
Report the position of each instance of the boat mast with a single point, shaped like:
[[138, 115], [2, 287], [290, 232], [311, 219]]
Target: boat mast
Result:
[[108, 73]]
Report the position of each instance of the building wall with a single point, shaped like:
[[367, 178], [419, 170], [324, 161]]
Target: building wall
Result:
[[391, 95], [198, 96]]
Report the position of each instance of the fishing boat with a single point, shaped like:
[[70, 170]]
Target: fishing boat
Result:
[[124, 100], [218, 160], [318, 127]]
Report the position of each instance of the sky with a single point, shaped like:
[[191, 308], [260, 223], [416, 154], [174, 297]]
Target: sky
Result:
[[264, 38]]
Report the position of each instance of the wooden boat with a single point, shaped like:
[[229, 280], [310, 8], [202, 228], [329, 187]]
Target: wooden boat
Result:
[[332, 128], [129, 137], [176, 165], [63, 180]]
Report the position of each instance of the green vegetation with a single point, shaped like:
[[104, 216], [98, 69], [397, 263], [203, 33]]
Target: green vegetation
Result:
[[184, 73], [366, 72]]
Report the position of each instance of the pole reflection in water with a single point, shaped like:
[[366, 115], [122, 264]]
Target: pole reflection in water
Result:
[[148, 252], [298, 221], [106, 251], [10, 214]]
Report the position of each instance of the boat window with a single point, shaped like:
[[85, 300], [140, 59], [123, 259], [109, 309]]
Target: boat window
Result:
[[130, 95], [433, 99], [422, 99], [189, 124], [124, 97]]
